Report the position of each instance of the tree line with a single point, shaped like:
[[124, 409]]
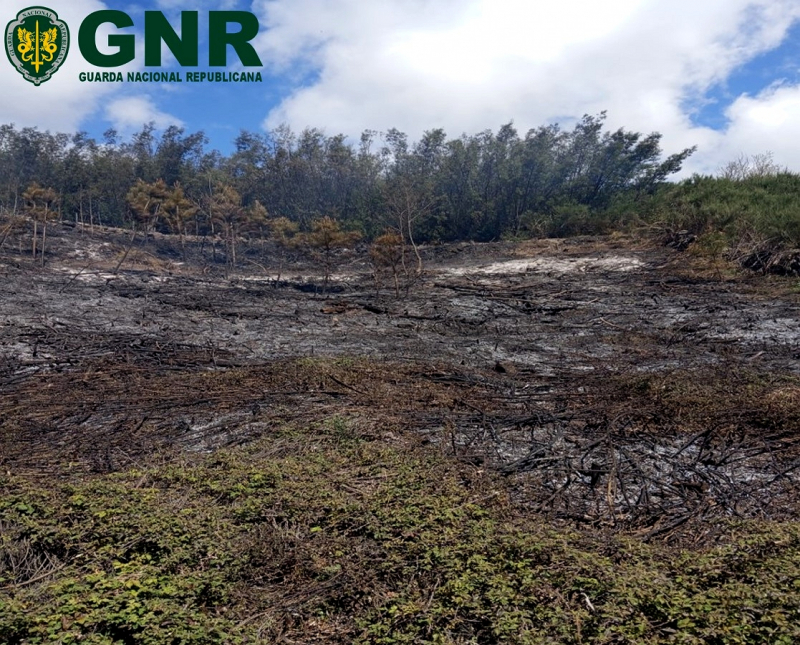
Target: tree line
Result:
[[549, 181]]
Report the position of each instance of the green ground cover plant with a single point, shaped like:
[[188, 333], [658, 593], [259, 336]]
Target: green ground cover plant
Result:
[[326, 534]]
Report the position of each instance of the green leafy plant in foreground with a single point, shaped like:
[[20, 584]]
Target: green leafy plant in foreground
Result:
[[325, 535]]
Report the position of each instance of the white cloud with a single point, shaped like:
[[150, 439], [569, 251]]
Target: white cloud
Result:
[[128, 114], [767, 122], [467, 66]]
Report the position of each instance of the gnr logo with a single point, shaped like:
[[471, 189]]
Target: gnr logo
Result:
[[185, 47], [37, 43]]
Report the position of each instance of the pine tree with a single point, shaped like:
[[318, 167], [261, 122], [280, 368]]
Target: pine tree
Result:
[[387, 252], [325, 237], [227, 211], [39, 203], [178, 210], [147, 202]]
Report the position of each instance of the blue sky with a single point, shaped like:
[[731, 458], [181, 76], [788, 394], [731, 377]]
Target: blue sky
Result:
[[780, 64], [723, 75]]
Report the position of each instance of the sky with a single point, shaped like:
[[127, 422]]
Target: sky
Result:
[[723, 75]]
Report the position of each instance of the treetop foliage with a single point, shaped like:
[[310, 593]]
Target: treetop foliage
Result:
[[479, 186]]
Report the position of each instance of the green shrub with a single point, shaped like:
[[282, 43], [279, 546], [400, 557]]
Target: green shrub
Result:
[[767, 207], [321, 535]]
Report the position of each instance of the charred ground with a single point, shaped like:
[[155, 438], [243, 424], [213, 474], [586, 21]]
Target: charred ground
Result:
[[614, 382], [605, 383]]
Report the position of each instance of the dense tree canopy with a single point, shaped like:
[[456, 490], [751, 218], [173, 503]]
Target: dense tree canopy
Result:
[[479, 186]]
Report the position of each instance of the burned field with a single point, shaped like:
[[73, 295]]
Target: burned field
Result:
[[610, 384]]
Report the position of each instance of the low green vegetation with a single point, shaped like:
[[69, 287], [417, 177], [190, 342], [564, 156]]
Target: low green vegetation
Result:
[[326, 535], [748, 211]]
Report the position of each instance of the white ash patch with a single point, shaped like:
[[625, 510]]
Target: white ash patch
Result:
[[551, 265]]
